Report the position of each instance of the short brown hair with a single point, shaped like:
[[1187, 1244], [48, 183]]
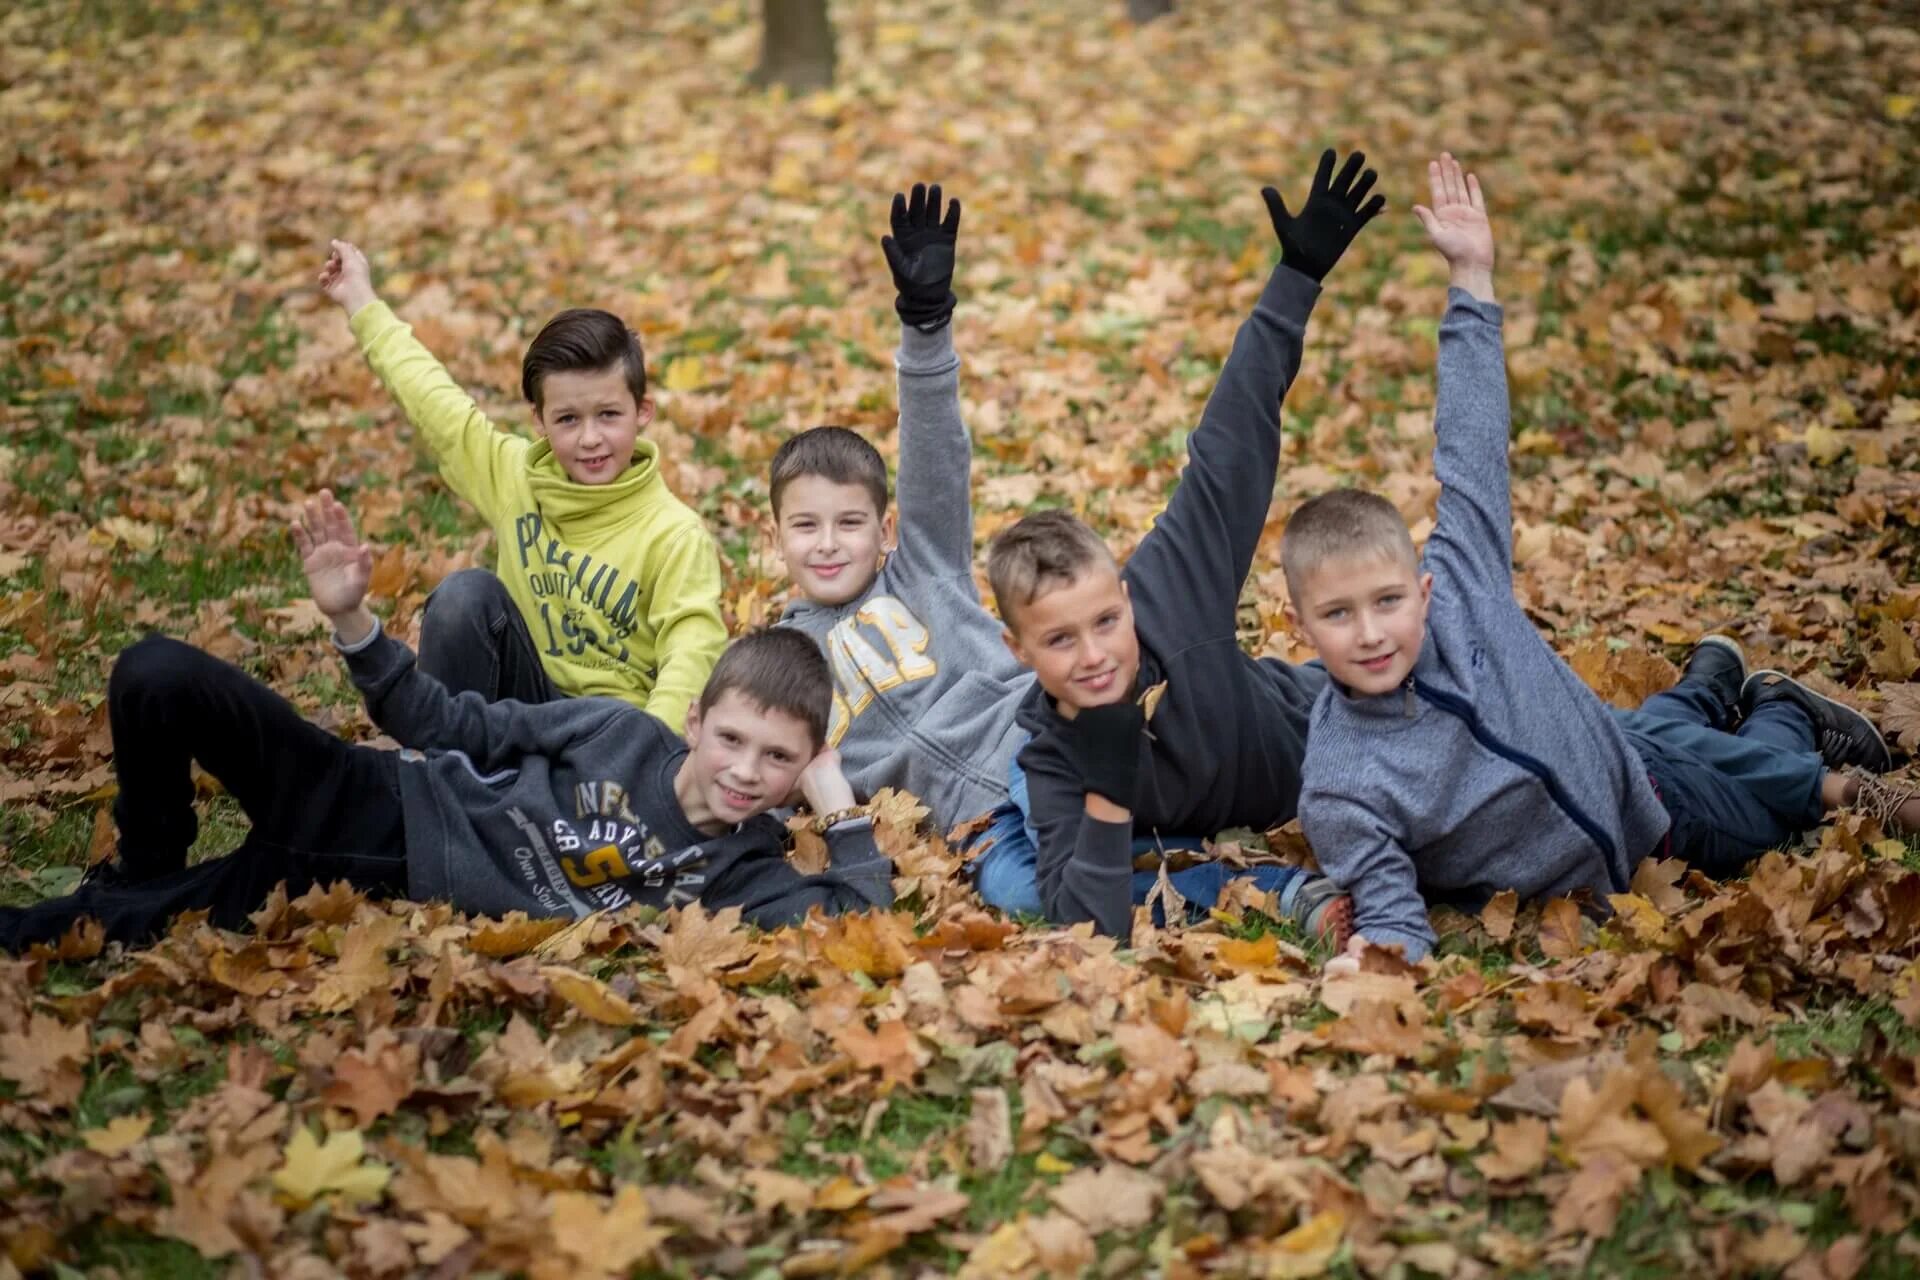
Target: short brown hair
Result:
[[1340, 523], [833, 453], [776, 669], [583, 340], [1045, 549]]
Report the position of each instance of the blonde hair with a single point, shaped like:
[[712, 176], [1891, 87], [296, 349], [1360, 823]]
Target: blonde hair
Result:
[[1340, 524], [1037, 552]]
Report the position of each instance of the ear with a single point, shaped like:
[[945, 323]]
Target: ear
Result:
[[1014, 647], [1292, 616], [540, 420], [887, 530], [1426, 589], [692, 734], [644, 415]]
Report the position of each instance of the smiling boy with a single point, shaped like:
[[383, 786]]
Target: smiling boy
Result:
[[1453, 754], [554, 809], [606, 582], [1227, 732]]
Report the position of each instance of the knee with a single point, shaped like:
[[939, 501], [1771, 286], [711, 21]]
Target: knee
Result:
[[154, 665], [466, 596]]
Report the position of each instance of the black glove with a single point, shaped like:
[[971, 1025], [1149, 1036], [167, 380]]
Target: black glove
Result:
[[1105, 743], [1313, 240], [920, 251]]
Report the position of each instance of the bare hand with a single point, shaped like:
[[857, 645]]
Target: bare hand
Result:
[[1457, 223], [347, 278], [338, 565], [824, 785]]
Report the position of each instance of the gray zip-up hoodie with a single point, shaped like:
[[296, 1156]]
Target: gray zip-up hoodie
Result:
[[564, 808], [1495, 767], [926, 691]]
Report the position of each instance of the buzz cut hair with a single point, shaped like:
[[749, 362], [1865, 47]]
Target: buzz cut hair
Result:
[[1037, 553], [1341, 524], [776, 669], [837, 454]]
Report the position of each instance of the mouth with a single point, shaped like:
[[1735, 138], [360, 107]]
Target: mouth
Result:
[[827, 571], [739, 800], [594, 465], [1376, 665], [1097, 683]]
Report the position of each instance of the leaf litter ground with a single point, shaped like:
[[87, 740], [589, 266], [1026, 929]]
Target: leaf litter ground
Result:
[[1710, 237]]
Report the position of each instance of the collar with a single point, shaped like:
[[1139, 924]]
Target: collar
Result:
[[590, 510]]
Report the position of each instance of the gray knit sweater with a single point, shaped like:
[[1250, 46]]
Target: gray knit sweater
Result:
[[1495, 767]]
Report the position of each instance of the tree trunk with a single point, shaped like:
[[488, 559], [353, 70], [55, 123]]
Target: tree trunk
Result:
[[796, 45], [1148, 10]]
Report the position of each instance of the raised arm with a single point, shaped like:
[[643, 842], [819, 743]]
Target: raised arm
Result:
[[403, 700], [1203, 544], [473, 455], [1472, 538], [936, 457]]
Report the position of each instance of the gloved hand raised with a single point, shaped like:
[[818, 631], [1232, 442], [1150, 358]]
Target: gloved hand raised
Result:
[[1312, 240], [920, 252], [1105, 743]]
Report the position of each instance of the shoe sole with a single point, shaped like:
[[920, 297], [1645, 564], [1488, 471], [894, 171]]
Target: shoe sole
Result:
[[1882, 765]]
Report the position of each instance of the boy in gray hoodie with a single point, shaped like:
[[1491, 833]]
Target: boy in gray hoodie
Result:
[[555, 809], [1453, 754]]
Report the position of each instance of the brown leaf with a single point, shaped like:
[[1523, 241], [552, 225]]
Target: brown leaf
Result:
[[1497, 916], [1560, 929], [1110, 1198], [374, 1082], [45, 1059], [1519, 1150], [989, 1130]]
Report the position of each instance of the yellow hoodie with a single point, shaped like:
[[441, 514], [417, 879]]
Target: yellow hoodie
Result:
[[619, 583]]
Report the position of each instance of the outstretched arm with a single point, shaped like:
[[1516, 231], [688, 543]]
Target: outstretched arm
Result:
[[472, 454], [1473, 534], [1201, 548], [936, 457]]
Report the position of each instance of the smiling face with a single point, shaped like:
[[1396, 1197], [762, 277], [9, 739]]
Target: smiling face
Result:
[[1079, 639], [592, 421], [831, 538], [1367, 616], [742, 759]]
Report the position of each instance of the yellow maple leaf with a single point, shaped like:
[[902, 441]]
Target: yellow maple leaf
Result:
[[314, 1169], [1901, 105], [1824, 444], [684, 373], [118, 1135]]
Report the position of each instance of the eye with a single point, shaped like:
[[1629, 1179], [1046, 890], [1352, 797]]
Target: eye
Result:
[[1334, 615], [779, 757], [1390, 600], [564, 418], [1058, 641], [729, 738], [1108, 621]]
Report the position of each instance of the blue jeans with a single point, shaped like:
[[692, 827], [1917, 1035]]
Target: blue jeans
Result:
[[1730, 796], [1007, 874]]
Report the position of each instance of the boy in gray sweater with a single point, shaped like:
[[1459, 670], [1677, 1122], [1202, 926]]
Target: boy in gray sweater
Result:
[[554, 809], [1453, 754]]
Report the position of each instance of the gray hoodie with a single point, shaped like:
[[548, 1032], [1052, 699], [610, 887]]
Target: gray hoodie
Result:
[[926, 690], [564, 808], [1495, 767]]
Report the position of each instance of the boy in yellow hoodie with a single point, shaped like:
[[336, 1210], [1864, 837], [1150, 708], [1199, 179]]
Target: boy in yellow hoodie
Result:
[[607, 584]]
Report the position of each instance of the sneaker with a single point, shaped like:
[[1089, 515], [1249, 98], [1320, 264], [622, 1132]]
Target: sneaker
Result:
[[1719, 663], [1844, 736], [1324, 912]]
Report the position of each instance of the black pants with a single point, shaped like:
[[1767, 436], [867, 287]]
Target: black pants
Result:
[[473, 638], [322, 809]]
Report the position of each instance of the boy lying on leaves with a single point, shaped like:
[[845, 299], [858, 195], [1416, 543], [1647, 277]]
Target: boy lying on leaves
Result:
[[1453, 754], [556, 809]]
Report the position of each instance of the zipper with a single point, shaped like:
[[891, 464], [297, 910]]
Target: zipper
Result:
[[1459, 707]]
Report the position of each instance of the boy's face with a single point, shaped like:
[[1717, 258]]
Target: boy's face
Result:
[[831, 538], [1367, 616], [592, 421], [1079, 640], [742, 759]]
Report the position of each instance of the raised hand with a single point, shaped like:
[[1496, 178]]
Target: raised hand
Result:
[[347, 278], [920, 251], [338, 565], [1312, 240], [1457, 224]]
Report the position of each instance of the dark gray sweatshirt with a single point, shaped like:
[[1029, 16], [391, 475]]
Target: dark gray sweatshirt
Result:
[[925, 691], [1495, 767], [564, 808], [1226, 740]]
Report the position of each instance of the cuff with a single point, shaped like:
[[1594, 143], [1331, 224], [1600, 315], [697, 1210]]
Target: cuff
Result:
[[1461, 300], [923, 353], [363, 643], [1290, 292], [370, 321]]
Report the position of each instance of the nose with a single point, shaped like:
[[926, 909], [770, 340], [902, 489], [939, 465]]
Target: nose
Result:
[[829, 540], [1370, 633], [1086, 653], [590, 433]]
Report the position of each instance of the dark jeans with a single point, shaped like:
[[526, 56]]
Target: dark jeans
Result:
[[322, 809], [473, 638], [1730, 796]]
